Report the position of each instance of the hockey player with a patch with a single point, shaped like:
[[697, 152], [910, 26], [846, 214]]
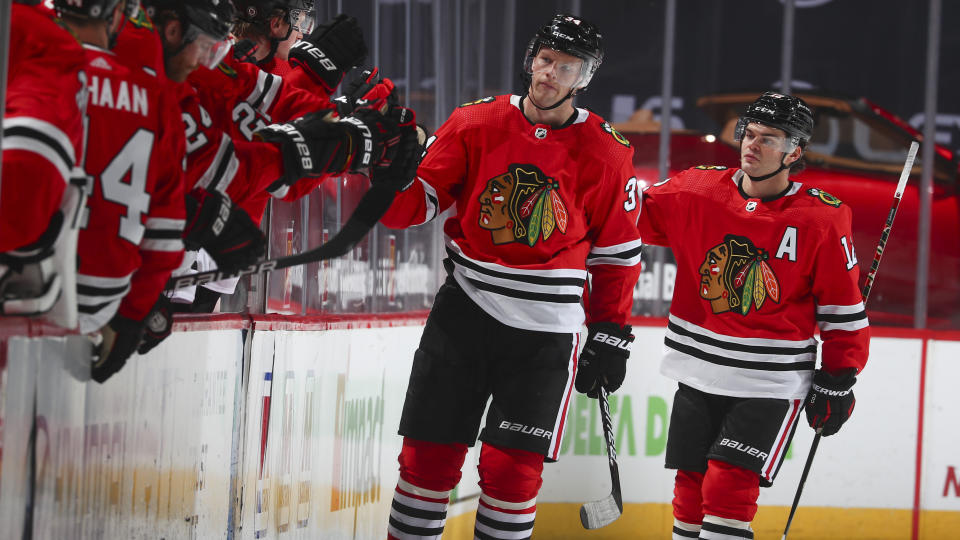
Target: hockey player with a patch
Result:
[[763, 263], [42, 131], [753, 272], [132, 236], [536, 208]]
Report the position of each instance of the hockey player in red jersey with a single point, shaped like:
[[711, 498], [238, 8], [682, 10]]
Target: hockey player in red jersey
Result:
[[762, 262], [545, 197], [42, 131]]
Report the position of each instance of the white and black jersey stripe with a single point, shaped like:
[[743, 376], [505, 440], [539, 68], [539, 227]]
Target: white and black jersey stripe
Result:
[[222, 170], [262, 96], [42, 138], [541, 300], [626, 254], [717, 528], [431, 201], [98, 298], [163, 234], [737, 366], [849, 318]]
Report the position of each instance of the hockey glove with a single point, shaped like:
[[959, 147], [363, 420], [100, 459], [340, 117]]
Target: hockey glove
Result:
[[121, 336], [225, 232], [830, 400], [330, 51], [29, 283], [159, 324], [400, 169], [368, 91], [604, 358]]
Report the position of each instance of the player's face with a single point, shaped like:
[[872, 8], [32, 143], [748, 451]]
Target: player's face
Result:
[[711, 273], [280, 28], [554, 73], [494, 201], [762, 148]]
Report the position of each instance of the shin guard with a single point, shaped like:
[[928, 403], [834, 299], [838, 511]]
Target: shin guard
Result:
[[510, 480], [428, 473]]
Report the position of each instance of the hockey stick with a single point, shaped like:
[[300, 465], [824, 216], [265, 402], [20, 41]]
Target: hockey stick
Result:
[[901, 185], [370, 209], [596, 514]]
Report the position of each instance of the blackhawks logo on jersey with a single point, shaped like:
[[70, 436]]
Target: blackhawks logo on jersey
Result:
[[735, 275], [825, 197], [522, 205], [616, 134], [711, 167], [489, 99]]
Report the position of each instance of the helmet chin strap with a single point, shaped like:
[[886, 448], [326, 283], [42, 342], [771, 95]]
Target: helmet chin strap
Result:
[[551, 107], [774, 173]]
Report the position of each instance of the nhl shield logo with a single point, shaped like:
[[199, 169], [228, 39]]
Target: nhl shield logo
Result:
[[751, 205], [540, 133]]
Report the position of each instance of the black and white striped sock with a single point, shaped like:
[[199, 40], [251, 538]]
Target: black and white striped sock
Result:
[[504, 520], [417, 513], [718, 528], [683, 530]]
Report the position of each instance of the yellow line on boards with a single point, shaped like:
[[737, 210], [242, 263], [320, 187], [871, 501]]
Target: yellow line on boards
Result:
[[561, 521]]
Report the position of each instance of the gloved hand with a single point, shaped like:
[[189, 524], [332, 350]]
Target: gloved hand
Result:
[[830, 400], [29, 282], [121, 336], [370, 91], [604, 358], [227, 233], [330, 51], [400, 168], [159, 324]]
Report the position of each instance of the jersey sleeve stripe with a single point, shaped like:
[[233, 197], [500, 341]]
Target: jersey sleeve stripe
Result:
[[103, 282], [840, 310], [38, 144], [433, 202], [166, 223], [162, 244], [58, 139], [263, 94], [626, 254], [219, 175]]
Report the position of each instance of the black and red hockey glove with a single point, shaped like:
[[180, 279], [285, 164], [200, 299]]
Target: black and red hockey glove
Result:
[[120, 338], [370, 91], [227, 233], [399, 166], [330, 51], [158, 324], [603, 360], [830, 401]]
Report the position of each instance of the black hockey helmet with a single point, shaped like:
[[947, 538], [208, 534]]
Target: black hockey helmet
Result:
[[211, 21], [572, 35], [213, 17], [788, 113], [257, 12], [90, 9]]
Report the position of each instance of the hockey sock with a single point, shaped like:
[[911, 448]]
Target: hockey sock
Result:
[[730, 491], [683, 530], [509, 480], [718, 528], [428, 473], [687, 498]]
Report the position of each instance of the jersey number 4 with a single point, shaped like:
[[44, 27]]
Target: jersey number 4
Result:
[[131, 163]]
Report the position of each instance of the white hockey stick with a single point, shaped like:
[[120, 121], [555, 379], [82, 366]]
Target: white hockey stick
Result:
[[901, 185], [596, 514]]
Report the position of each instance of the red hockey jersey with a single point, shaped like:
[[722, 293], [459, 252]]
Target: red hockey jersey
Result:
[[536, 207], [42, 123], [755, 278], [132, 237]]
